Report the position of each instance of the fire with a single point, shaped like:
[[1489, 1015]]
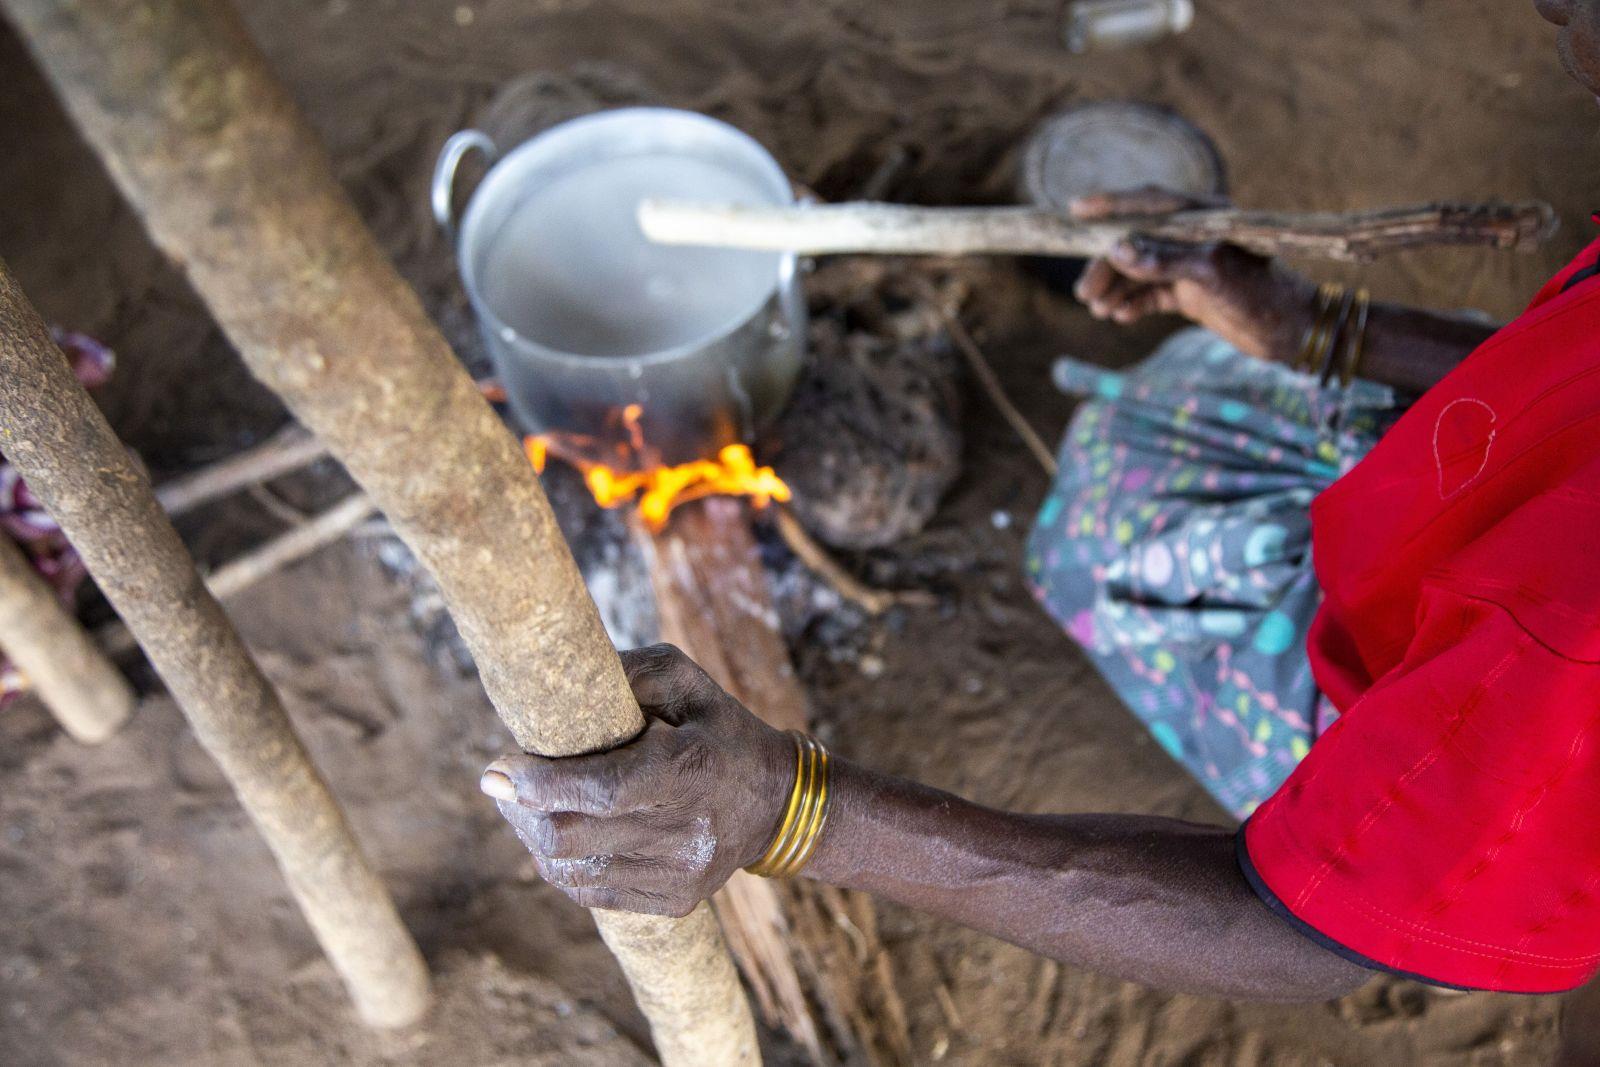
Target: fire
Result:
[[659, 489]]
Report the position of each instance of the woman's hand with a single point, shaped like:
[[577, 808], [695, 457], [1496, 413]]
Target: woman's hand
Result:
[[658, 824], [1248, 300]]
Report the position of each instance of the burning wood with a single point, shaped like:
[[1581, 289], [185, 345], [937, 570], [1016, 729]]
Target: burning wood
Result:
[[657, 488]]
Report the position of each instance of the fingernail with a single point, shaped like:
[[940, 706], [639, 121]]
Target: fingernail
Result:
[[498, 785], [1125, 251]]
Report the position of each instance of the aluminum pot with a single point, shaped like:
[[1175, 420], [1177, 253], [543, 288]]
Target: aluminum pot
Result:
[[600, 337]]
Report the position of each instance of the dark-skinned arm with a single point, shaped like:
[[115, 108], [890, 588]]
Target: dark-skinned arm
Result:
[[1256, 304], [660, 823], [1147, 899]]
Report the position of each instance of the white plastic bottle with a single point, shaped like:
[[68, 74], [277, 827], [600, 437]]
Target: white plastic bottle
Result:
[[1092, 25]]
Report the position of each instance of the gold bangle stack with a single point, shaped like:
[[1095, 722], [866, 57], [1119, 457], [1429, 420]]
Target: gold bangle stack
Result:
[[1355, 344], [807, 810], [1337, 336]]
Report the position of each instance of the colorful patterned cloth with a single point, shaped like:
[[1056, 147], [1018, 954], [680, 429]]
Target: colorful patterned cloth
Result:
[[1175, 548], [23, 518]]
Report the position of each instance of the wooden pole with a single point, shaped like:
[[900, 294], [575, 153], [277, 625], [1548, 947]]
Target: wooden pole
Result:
[[232, 183], [241, 573], [55, 436], [897, 229], [87, 695]]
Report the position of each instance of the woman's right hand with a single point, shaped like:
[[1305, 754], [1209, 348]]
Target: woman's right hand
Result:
[[1254, 303]]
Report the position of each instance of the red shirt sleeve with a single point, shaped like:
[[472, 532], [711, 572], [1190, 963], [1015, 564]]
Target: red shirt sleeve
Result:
[[1445, 826]]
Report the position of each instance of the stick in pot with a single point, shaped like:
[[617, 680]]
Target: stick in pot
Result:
[[896, 229]]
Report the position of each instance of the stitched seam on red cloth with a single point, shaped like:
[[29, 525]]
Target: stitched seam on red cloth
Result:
[[1408, 928], [1518, 818], [1392, 794], [1568, 904], [1439, 939]]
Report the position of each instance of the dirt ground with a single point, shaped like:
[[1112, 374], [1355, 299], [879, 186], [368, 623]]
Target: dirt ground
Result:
[[144, 920]]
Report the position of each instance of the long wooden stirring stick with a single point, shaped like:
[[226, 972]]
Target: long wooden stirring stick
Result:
[[897, 229]]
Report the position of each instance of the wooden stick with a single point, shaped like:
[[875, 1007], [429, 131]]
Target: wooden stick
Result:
[[231, 181], [853, 589], [88, 696], [990, 381], [58, 440], [286, 451], [244, 571], [954, 231]]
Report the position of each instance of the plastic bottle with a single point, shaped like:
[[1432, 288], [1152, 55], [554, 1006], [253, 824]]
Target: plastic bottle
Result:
[[1092, 25]]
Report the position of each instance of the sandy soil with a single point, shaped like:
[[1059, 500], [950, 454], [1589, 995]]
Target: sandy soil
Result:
[[145, 922]]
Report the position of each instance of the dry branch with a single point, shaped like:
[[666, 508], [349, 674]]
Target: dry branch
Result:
[[76, 681], [286, 451], [232, 183], [872, 601], [990, 382], [952, 231], [58, 440]]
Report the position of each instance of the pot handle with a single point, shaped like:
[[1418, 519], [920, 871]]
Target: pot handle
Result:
[[442, 192]]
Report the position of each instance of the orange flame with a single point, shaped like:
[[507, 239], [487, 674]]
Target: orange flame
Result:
[[660, 489]]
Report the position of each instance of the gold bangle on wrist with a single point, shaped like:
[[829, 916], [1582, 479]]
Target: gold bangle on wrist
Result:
[[1319, 336], [1338, 334], [803, 817], [1356, 341]]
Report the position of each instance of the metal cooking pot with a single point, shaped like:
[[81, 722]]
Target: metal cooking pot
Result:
[[601, 337]]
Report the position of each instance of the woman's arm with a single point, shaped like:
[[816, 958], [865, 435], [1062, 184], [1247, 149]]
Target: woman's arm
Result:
[[1411, 349], [1261, 307], [1150, 900], [660, 823]]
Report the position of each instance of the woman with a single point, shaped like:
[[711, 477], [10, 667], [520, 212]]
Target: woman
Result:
[[1441, 828]]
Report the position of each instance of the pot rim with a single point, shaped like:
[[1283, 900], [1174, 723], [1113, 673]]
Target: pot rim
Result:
[[500, 173]]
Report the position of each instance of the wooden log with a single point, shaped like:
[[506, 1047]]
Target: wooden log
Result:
[[58, 440], [232, 183], [897, 229], [795, 941], [88, 696]]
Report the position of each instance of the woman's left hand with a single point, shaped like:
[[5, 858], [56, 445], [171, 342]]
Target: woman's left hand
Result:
[[660, 823], [1254, 303]]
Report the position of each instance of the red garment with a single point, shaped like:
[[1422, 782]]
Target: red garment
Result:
[[1448, 825]]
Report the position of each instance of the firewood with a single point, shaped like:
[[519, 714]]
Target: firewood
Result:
[[231, 182], [896, 229], [73, 678], [714, 603], [58, 440]]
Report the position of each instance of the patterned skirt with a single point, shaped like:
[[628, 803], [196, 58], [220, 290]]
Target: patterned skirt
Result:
[[1175, 547]]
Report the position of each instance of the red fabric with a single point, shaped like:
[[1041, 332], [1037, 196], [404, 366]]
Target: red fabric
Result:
[[1448, 824]]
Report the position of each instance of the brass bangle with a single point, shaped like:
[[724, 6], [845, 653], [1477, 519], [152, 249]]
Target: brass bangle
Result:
[[808, 844], [1338, 330], [1356, 345], [804, 816], [785, 831], [1314, 347]]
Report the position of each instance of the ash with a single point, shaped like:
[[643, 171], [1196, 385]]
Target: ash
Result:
[[810, 612]]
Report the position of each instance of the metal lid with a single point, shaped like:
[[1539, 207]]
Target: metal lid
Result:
[[1115, 146]]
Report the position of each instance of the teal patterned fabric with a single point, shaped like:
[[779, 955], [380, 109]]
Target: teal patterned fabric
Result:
[[1175, 547]]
